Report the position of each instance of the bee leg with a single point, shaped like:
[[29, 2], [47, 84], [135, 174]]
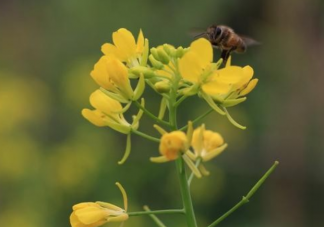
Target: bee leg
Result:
[[225, 55]]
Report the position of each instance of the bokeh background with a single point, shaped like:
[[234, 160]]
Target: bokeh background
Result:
[[52, 158]]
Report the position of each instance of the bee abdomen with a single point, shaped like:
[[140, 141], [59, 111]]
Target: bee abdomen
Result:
[[241, 46]]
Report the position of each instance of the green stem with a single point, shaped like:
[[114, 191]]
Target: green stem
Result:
[[146, 136], [157, 221], [171, 211], [148, 113], [181, 170], [185, 193], [246, 198], [180, 100], [197, 119], [192, 174]]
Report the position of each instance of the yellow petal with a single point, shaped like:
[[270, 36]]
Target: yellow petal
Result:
[[216, 88], [95, 117], [213, 153], [245, 78], [204, 50], [108, 49], [190, 67], [230, 75], [100, 75], [90, 215], [249, 87], [117, 71], [119, 75], [140, 42], [83, 205], [212, 140], [104, 103], [125, 43]]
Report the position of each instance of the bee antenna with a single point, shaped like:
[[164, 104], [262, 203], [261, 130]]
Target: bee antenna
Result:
[[200, 35]]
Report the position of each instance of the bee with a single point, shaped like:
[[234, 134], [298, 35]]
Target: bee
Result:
[[224, 38]]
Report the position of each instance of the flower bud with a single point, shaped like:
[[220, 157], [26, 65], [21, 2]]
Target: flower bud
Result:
[[138, 70], [156, 64], [162, 86], [96, 214]]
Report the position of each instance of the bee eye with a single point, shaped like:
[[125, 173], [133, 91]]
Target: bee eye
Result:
[[218, 31]]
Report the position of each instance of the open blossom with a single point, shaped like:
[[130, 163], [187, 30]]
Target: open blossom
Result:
[[197, 61], [231, 82], [206, 144], [125, 48], [112, 75], [107, 112]]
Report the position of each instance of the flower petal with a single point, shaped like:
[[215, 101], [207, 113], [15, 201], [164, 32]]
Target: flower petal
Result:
[[94, 116], [140, 42], [104, 103], [90, 215], [216, 88], [125, 43], [204, 50], [100, 75], [189, 67], [249, 87]]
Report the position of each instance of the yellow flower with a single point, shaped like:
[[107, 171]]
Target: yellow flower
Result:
[[196, 61], [172, 144], [230, 82], [206, 144], [89, 214], [126, 49], [112, 75], [108, 112]]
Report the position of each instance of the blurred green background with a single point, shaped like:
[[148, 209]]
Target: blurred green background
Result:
[[52, 158]]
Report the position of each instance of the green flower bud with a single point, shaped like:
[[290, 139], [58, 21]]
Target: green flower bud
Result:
[[180, 52], [137, 70], [170, 50], [163, 56], [154, 52], [156, 64], [162, 87]]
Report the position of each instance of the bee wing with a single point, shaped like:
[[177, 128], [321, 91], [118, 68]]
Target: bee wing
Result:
[[249, 41]]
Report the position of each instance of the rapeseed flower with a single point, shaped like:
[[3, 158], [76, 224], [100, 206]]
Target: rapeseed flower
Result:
[[126, 49], [107, 112], [206, 144], [112, 75]]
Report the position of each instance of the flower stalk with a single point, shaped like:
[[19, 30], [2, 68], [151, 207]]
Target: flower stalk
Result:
[[245, 199]]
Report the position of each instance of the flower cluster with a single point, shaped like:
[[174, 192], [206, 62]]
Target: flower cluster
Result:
[[127, 67], [175, 74], [179, 72], [191, 71]]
